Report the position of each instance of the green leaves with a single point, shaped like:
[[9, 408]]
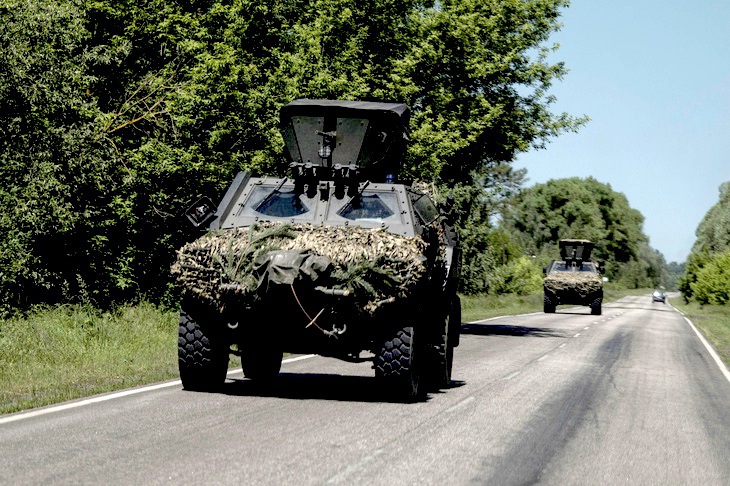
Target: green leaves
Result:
[[704, 278], [114, 116], [712, 285], [586, 209]]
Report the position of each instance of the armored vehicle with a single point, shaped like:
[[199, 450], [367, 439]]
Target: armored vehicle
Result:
[[573, 280], [340, 258]]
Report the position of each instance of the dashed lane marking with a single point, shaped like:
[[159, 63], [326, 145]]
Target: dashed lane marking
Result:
[[340, 477], [461, 404]]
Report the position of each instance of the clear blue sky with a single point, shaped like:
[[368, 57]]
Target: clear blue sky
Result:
[[654, 77]]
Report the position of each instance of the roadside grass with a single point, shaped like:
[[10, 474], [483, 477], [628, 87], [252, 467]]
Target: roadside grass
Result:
[[713, 321], [477, 307], [67, 352]]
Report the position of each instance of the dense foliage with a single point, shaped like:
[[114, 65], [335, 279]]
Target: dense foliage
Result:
[[113, 116], [540, 216], [706, 277]]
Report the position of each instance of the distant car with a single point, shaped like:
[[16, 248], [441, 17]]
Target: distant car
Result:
[[659, 296]]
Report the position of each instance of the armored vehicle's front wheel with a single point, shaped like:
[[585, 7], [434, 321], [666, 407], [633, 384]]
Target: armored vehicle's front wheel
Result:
[[395, 364], [439, 350], [547, 305], [260, 364], [596, 307], [202, 359]]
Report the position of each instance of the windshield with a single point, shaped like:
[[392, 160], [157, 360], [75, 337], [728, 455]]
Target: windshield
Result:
[[563, 267], [369, 208], [281, 204], [268, 202]]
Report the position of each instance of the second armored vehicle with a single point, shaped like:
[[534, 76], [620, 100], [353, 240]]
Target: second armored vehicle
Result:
[[573, 280], [338, 259]]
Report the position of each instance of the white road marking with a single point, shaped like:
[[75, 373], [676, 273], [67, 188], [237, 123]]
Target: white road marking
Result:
[[576, 335], [115, 395], [500, 317], [355, 467], [562, 345], [586, 328], [709, 348], [542, 357], [511, 375], [462, 403]]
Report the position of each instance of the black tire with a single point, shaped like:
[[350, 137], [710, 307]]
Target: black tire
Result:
[[596, 307], [438, 354], [455, 321], [202, 359], [547, 305], [260, 364], [395, 364]]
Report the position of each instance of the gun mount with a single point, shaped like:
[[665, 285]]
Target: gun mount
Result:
[[575, 251], [345, 142]]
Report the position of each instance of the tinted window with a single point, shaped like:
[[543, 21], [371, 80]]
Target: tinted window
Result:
[[370, 207], [281, 205]]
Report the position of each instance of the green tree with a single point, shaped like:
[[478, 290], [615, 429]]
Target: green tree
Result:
[[55, 172], [114, 116], [713, 280], [543, 214], [713, 238]]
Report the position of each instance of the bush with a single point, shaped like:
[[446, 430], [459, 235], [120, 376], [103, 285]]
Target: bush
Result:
[[712, 285], [521, 276]]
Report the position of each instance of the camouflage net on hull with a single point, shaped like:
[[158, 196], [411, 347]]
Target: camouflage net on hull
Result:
[[373, 265], [581, 284]]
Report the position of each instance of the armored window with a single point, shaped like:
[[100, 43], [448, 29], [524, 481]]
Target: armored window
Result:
[[281, 205], [368, 207]]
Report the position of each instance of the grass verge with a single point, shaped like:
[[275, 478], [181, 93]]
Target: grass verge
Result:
[[69, 352], [714, 323], [476, 307]]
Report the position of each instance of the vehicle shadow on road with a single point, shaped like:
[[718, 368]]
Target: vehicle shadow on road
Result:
[[509, 330], [319, 386]]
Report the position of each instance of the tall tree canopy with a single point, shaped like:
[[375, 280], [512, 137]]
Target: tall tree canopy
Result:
[[713, 232], [586, 208], [115, 115], [706, 277]]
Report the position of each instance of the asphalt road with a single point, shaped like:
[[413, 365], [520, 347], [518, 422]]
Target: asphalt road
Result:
[[630, 397]]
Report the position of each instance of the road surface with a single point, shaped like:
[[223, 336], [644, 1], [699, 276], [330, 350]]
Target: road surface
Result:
[[632, 397]]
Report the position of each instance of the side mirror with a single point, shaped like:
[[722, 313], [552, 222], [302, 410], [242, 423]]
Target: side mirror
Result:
[[544, 270], [201, 211]]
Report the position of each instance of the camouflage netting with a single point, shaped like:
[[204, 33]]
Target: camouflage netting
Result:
[[373, 265], [582, 283]]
